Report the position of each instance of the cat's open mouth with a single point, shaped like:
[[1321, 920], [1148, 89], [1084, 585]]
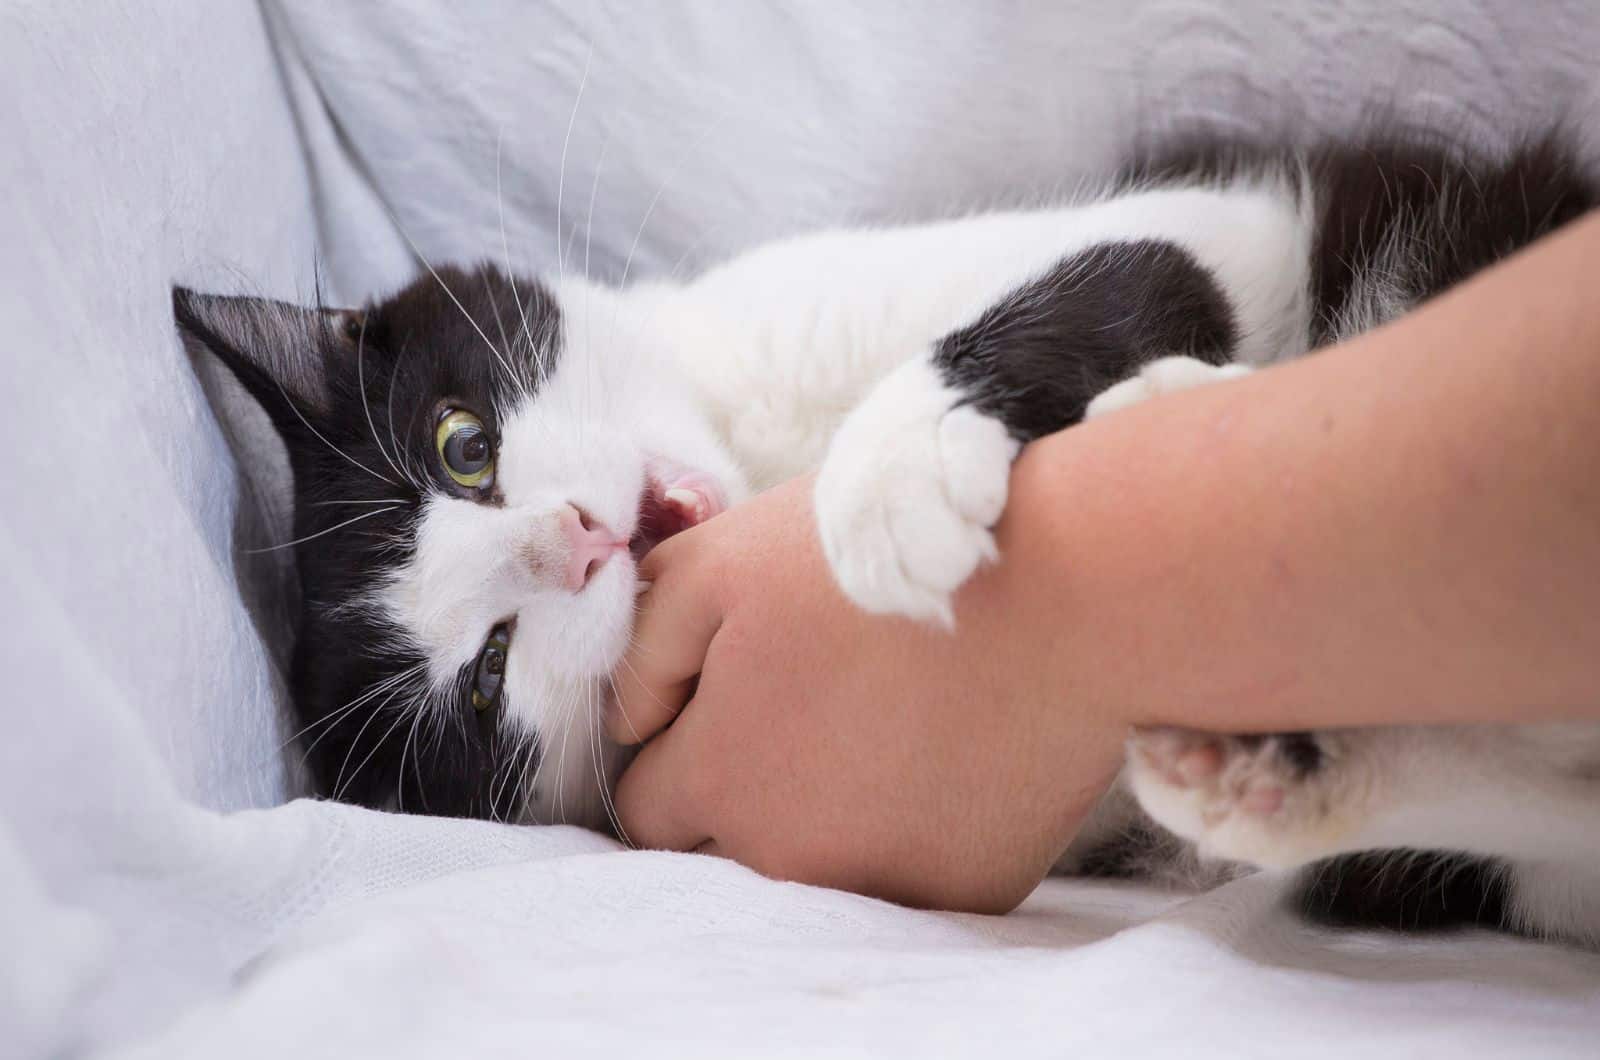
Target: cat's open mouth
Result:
[[674, 499]]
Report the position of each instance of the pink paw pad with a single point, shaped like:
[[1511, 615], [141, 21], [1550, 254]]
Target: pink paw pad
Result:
[[1199, 764], [1262, 799], [1184, 759]]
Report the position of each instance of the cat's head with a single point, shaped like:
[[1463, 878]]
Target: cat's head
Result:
[[477, 467]]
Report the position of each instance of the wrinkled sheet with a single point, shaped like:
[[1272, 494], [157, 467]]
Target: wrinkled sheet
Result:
[[158, 894]]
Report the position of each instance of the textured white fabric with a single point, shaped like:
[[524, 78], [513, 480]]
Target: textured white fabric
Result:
[[150, 898]]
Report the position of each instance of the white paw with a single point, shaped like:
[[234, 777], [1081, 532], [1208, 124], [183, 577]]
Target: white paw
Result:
[[1277, 801], [1163, 376], [907, 495]]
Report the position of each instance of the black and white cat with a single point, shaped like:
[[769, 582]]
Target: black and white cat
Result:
[[480, 459]]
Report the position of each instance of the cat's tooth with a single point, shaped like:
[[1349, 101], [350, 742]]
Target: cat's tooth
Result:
[[684, 498]]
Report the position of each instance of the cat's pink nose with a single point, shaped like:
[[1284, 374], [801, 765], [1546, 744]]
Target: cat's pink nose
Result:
[[589, 545]]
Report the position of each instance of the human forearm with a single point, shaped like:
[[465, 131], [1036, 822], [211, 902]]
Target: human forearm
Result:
[[1406, 528]]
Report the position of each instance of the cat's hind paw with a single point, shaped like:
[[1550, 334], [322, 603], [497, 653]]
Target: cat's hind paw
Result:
[[1277, 801], [906, 497]]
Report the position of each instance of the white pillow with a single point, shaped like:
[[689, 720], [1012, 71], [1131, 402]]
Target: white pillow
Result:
[[749, 120]]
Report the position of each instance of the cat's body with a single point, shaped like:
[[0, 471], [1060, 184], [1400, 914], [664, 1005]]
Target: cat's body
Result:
[[478, 459]]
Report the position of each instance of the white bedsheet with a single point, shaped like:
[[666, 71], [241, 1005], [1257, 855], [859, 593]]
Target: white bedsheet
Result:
[[574, 949], [157, 896]]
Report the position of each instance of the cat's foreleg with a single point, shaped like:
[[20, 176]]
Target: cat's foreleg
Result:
[[917, 476]]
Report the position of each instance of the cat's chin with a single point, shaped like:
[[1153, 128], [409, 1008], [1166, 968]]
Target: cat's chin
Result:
[[675, 498]]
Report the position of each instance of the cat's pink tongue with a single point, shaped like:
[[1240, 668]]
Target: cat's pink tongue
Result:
[[675, 499]]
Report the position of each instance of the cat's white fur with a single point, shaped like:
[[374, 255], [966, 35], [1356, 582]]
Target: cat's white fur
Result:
[[812, 355]]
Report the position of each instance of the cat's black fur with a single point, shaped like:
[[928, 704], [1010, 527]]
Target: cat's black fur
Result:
[[1406, 890]]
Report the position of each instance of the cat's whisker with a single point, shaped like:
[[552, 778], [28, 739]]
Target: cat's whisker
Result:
[[361, 385], [521, 381], [561, 171], [394, 443], [400, 717], [326, 719], [505, 365], [666, 182], [338, 786], [693, 151], [594, 189], [564, 728], [365, 696], [506, 771], [596, 759], [519, 763], [494, 308], [588, 299], [701, 240], [505, 250], [381, 500], [605, 787], [494, 786], [320, 533], [416, 757], [560, 729], [330, 719], [323, 439], [544, 759], [541, 368], [636, 737], [517, 795], [498, 780], [399, 775], [533, 347]]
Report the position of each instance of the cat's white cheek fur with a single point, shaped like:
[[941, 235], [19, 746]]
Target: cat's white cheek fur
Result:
[[911, 485]]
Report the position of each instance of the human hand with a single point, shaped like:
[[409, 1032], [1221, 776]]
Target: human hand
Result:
[[828, 746]]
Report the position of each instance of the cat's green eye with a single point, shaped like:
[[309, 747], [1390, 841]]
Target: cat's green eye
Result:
[[490, 670], [465, 449]]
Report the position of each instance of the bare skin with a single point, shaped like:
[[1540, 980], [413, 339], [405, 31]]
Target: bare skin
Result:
[[1404, 529]]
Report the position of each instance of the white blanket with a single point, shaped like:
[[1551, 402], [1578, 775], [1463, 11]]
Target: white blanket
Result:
[[156, 894]]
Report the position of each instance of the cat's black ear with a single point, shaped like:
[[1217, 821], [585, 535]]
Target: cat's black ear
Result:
[[279, 351]]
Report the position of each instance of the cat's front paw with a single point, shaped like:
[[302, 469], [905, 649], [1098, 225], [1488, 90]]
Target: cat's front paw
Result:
[[1276, 801], [1165, 375], [905, 500]]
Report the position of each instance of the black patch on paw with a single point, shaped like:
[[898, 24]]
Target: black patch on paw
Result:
[[1406, 890]]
